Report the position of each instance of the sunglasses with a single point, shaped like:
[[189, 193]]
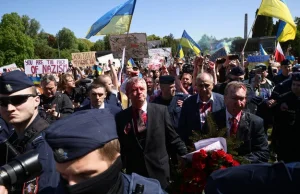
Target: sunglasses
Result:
[[15, 100]]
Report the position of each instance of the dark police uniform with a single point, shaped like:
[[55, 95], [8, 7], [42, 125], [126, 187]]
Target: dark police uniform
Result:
[[173, 109], [31, 139], [280, 78], [278, 178], [69, 143], [6, 131]]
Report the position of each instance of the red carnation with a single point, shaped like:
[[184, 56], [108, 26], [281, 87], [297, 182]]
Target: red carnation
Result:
[[223, 167]]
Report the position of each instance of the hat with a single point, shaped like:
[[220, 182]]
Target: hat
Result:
[[81, 133], [166, 79], [296, 68], [237, 71], [296, 76], [14, 81], [261, 66], [285, 62]]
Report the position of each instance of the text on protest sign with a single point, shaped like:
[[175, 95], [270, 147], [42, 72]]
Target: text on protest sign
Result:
[[9, 68], [45, 66], [83, 59]]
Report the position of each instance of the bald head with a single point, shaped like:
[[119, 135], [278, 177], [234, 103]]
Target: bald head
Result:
[[205, 77]]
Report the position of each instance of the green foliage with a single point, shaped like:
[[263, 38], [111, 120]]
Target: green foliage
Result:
[[205, 43], [169, 41], [98, 46], [66, 39], [263, 26], [31, 26], [106, 43], [153, 37]]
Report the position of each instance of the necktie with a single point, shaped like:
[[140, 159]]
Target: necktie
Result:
[[204, 107], [234, 126], [141, 119]]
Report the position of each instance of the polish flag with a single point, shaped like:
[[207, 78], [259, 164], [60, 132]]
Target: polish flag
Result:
[[279, 56]]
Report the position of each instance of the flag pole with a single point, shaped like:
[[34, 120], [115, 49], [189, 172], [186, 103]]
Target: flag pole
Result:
[[249, 34]]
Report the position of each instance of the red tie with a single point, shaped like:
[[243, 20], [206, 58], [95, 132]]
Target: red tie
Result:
[[234, 126], [204, 107], [140, 120]]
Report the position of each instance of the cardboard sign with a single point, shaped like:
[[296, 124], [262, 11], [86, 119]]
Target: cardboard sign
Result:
[[83, 59], [136, 45], [9, 68], [222, 52], [45, 66]]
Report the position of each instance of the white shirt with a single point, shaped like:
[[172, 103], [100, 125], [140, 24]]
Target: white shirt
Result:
[[144, 107], [203, 115], [101, 107]]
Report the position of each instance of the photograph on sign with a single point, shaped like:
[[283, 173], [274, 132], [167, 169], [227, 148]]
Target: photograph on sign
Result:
[[45, 66], [136, 45], [83, 59]]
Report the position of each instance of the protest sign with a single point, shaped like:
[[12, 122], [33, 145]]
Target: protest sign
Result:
[[45, 66], [254, 60], [158, 57], [9, 68], [83, 59], [136, 45], [222, 52], [104, 59]]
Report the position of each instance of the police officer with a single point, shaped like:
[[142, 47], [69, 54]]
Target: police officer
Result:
[[6, 131], [169, 97], [19, 107], [286, 67], [90, 162]]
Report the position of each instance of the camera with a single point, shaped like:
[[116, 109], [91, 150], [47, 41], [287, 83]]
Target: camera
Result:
[[21, 169]]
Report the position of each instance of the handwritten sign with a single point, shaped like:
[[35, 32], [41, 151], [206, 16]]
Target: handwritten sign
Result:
[[9, 68], [83, 59], [136, 45], [45, 66]]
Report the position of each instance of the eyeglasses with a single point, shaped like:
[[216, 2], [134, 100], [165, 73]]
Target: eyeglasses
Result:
[[15, 100]]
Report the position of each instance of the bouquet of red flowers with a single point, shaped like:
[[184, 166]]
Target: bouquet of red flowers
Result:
[[203, 164]]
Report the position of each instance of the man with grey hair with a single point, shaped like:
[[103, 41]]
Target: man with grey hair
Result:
[[241, 124], [55, 104], [195, 108], [145, 130]]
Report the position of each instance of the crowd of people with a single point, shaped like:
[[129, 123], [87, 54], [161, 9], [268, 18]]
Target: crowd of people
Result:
[[100, 133]]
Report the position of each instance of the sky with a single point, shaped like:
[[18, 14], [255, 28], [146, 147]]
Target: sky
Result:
[[219, 18]]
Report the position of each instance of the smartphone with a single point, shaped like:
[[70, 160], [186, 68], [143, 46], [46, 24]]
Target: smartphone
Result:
[[233, 57]]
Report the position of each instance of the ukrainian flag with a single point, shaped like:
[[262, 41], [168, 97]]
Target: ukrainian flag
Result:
[[130, 62], [278, 9], [180, 53], [116, 21], [262, 50], [35, 80], [187, 41]]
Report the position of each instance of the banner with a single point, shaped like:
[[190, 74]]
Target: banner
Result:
[[222, 52], [136, 45], [45, 66], [157, 57], [83, 59], [254, 60], [9, 68]]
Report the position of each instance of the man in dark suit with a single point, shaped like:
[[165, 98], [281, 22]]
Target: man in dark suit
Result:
[[275, 178], [145, 130], [196, 107], [247, 127], [97, 95]]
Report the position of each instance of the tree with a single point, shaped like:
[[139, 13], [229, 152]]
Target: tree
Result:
[[66, 39], [206, 43], [15, 45], [169, 41], [263, 26], [98, 46], [31, 26], [106, 42], [153, 37], [82, 46]]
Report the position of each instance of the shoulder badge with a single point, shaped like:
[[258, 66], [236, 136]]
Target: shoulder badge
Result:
[[60, 154], [8, 87]]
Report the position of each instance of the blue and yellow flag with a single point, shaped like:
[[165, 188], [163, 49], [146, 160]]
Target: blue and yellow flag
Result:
[[262, 50], [130, 62], [278, 9], [116, 21], [180, 53], [35, 80], [187, 41]]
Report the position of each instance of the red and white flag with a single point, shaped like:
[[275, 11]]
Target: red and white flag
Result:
[[279, 56]]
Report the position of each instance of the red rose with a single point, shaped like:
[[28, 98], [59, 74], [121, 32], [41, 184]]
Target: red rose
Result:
[[203, 154], [235, 163], [223, 167], [214, 155], [221, 153], [144, 117], [229, 158]]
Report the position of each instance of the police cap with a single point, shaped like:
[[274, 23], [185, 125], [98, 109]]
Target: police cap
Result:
[[261, 66], [285, 62], [296, 76], [14, 81], [81, 133], [237, 71], [296, 68], [166, 79]]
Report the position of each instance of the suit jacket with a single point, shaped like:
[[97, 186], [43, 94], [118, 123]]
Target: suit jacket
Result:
[[113, 109], [160, 133], [190, 117], [250, 131]]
